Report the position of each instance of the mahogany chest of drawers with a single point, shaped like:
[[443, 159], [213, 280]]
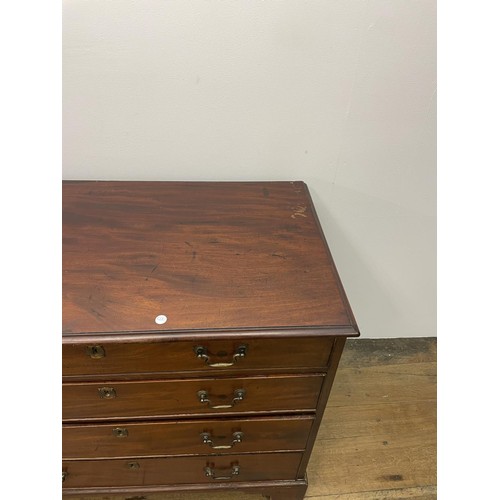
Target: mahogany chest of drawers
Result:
[[203, 323]]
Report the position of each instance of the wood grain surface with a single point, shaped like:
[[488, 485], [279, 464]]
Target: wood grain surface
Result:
[[179, 356], [206, 255], [179, 470], [175, 398], [185, 437]]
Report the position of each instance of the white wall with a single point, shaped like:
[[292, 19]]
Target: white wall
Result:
[[340, 94]]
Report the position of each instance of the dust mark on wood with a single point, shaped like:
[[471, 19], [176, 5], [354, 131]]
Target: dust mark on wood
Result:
[[392, 477], [265, 192]]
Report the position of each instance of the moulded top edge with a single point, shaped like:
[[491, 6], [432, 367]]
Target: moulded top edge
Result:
[[85, 337]]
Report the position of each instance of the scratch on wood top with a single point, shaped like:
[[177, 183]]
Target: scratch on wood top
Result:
[[299, 211]]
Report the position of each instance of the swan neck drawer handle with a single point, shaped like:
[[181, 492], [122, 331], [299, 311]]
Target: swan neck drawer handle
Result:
[[204, 397], [210, 472], [207, 439], [202, 353]]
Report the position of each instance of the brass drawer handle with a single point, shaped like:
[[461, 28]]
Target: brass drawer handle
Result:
[[64, 475], [106, 392], [202, 353], [239, 394], [209, 472], [207, 439], [96, 351]]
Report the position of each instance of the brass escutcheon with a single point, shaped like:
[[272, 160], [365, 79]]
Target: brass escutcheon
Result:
[[120, 432], [95, 351], [106, 392]]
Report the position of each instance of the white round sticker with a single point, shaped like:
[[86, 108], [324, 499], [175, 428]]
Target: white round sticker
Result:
[[159, 320]]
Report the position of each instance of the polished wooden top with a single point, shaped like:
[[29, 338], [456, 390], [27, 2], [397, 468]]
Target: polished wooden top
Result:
[[210, 256]]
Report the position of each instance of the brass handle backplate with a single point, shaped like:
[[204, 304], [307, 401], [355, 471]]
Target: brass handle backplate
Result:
[[210, 472], [202, 353], [204, 397], [106, 392], [96, 351], [207, 439]]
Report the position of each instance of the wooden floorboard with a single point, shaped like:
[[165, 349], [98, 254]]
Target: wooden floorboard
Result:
[[378, 435], [417, 493], [377, 440]]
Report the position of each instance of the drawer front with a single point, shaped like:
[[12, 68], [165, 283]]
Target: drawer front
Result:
[[212, 356], [164, 398], [179, 470], [200, 437]]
